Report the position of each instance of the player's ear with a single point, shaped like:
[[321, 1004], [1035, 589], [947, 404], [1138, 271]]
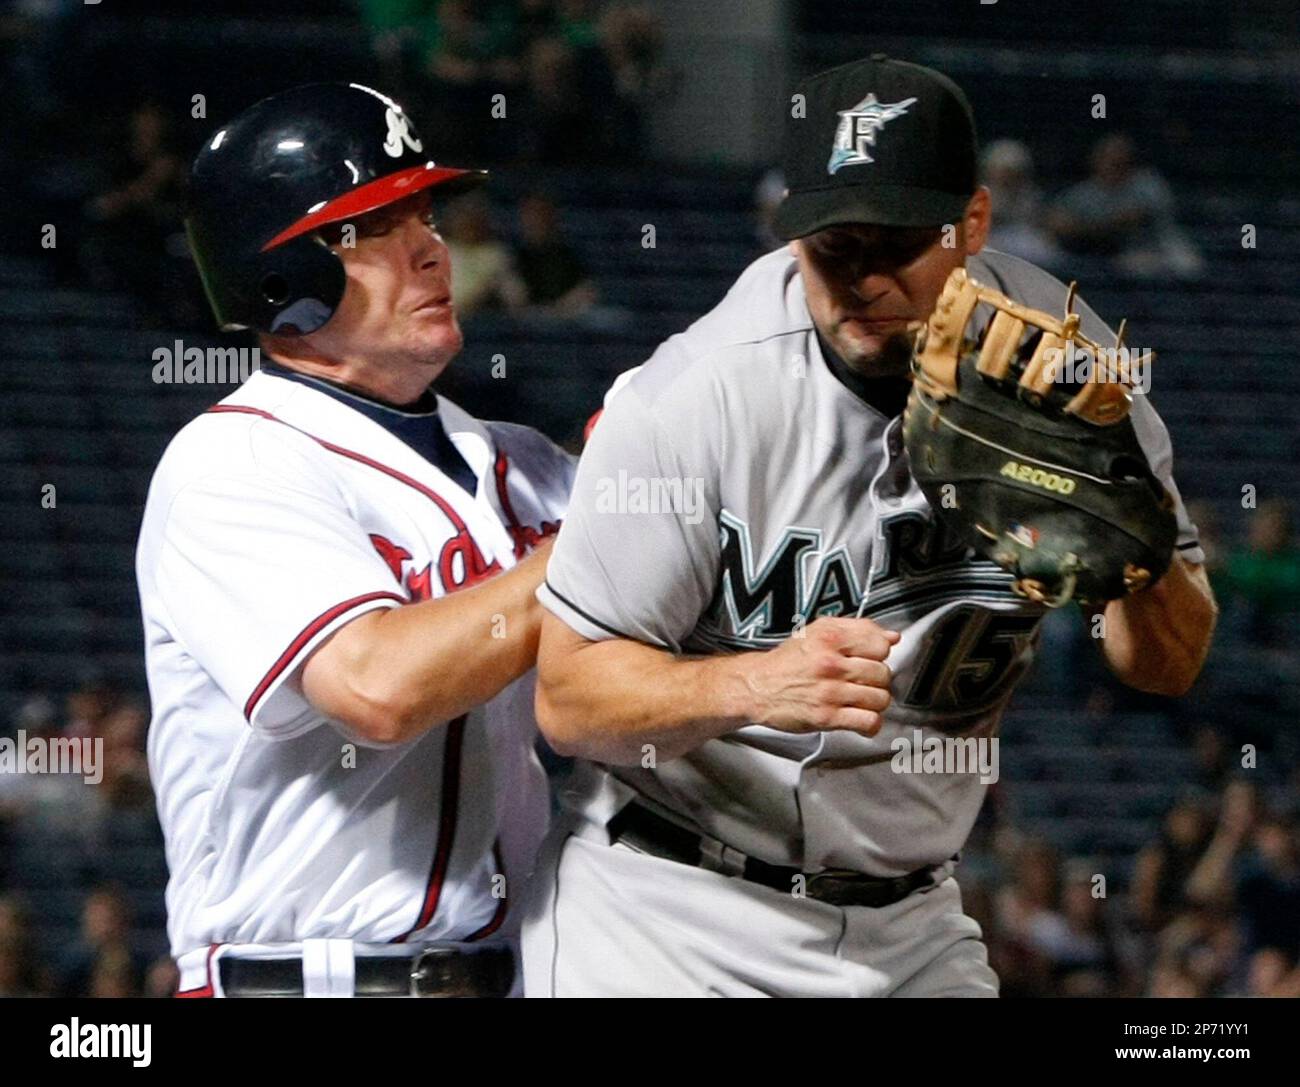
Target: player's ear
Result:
[[976, 220]]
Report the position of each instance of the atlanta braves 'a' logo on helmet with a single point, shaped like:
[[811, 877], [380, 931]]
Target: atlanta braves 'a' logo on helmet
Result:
[[399, 133], [858, 127]]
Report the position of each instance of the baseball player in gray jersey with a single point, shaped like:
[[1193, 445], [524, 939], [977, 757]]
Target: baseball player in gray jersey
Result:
[[751, 602]]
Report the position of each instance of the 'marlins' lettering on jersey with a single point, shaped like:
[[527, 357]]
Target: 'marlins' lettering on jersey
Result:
[[923, 564], [967, 660]]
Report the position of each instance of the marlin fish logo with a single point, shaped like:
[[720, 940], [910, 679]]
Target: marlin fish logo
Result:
[[858, 127]]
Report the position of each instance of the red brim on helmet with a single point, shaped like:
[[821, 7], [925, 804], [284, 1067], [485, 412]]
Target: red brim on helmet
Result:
[[375, 194]]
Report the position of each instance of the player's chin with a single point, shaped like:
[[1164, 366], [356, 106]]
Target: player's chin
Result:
[[437, 336], [875, 353]]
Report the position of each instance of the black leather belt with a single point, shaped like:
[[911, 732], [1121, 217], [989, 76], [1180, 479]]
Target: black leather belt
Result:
[[637, 826], [431, 971]]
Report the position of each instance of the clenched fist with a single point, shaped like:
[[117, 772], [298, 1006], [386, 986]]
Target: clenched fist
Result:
[[830, 676]]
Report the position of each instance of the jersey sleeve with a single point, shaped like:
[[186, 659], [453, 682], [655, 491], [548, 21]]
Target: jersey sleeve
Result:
[[254, 571], [619, 382], [1153, 436], [638, 553]]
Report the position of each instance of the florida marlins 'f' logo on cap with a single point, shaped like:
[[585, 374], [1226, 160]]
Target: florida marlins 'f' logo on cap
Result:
[[858, 127]]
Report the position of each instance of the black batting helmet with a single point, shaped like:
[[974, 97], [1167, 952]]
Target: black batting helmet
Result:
[[266, 182]]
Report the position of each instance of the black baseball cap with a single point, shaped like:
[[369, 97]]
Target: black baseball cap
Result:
[[880, 141]]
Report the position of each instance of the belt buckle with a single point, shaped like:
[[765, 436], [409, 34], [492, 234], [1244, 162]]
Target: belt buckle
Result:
[[422, 965], [827, 877]]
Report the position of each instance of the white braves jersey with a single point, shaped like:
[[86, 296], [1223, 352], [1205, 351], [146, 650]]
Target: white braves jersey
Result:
[[735, 488], [272, 520]]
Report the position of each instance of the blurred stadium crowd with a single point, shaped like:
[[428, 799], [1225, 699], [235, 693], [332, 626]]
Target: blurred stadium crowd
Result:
[[1187, 809]]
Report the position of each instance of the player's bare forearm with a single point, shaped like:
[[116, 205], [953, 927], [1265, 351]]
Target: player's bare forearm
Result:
[[390, 675], [607, 700], [1156, 640], [610, 700]]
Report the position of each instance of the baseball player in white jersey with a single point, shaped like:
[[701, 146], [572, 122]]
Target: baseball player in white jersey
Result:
[[739, 823], [338, 588]]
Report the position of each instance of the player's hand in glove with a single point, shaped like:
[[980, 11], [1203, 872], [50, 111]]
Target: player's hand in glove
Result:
[[830, 675], [1045, 478]]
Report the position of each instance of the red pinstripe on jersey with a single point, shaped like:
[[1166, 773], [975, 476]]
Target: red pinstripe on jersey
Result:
[[446, 827], [360, 458], [306, 635]]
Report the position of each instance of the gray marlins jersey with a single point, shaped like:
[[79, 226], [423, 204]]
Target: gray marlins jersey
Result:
[[734, 489]]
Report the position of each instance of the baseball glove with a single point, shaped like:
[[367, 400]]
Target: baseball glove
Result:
[[1043, 476]]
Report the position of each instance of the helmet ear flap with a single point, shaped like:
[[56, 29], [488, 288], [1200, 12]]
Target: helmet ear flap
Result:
[[297, 286], [290, 290]]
